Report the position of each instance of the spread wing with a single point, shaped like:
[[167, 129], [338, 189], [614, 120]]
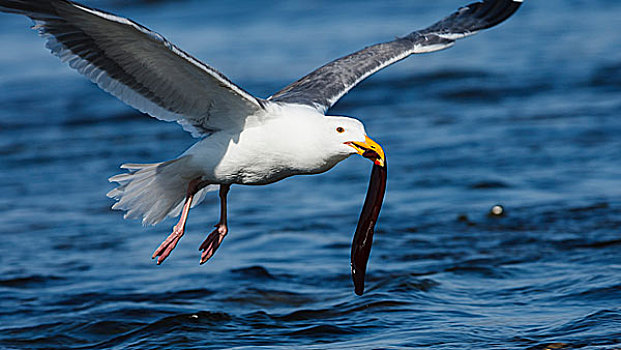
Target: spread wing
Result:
[[322, 88], [138, 66]]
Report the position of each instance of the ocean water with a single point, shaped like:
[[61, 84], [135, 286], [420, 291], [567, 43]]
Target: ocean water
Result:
[[526, 115]]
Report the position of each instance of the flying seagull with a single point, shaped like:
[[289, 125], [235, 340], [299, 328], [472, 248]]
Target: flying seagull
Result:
[[243, 139]]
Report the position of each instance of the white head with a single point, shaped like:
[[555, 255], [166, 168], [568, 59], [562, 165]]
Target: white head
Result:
[[345, 136], [305, 141]]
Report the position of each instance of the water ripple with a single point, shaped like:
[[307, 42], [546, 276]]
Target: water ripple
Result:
[[519, 116]]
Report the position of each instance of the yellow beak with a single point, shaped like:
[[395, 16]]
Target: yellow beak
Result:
[[370, 149]]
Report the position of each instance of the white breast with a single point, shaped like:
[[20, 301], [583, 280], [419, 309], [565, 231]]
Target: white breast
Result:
[[289, 144]]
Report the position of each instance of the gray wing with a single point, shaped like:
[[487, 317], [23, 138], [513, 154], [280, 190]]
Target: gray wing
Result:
[[325, 86], [138, 66]]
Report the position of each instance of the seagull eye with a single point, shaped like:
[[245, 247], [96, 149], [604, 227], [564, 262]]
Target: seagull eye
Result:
[[340, 130]]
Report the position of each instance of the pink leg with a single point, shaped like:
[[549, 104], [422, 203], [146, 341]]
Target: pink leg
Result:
[[171, 241], [212, 242]]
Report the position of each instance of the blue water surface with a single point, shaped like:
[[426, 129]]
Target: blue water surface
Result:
[[526, 115]]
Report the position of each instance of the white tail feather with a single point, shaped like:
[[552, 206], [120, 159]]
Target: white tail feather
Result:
[[154, 191]]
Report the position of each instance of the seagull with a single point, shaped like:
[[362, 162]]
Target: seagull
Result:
[[242, 139]]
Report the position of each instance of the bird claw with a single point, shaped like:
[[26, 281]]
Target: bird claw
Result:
[[164, 250], [212, 242]]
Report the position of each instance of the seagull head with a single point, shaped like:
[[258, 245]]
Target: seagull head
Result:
[[351, 138]]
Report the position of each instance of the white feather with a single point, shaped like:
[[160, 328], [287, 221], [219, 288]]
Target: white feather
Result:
[[152, 192]]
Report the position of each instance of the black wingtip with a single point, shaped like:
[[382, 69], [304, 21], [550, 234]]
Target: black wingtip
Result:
[[27, 7], [474, 17], [492, 12]]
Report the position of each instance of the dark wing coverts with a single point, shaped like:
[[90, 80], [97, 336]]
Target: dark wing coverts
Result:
[[139, 66], [325, 86]]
